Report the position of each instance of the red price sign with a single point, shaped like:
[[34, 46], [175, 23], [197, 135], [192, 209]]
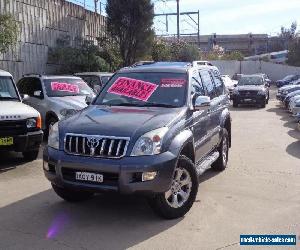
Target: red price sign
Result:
[[172, 83], [133, 88], [66, 87]]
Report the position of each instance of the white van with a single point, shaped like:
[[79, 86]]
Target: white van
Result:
[[20, 125], [206, 65]]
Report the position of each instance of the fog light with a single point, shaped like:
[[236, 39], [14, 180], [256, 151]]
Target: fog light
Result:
[[46, 166], [148, 176]]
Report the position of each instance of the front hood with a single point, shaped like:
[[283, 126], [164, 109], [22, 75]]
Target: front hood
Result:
[[14, 110], [70, 102], [119, 121], [250, 87]]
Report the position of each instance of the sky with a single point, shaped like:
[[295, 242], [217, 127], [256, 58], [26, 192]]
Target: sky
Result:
[[228, 16]]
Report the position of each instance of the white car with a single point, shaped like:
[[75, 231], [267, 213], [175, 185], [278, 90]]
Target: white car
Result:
[[20, 125], [206, 65], [229, 83]]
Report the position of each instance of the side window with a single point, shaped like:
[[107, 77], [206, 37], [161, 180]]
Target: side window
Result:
[[208, 84], [196, 85], [219, 85], [29, 85]]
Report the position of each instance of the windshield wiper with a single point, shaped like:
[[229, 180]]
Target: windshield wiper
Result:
[[154, 104]]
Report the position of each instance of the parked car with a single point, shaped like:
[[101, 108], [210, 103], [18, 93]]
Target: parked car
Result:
[[95, 80], [20, 125], [55, 97], [206, 65], [287, 80], [229, 84], [283, 92], [152, 130], [251, 89], [293, 101], [287, 99], [237, 77], [296, 109]]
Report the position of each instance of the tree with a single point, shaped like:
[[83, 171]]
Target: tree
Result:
[[129, 23], [294, 54], [161, 51], [83, 57], [287, 35], [8, 32]]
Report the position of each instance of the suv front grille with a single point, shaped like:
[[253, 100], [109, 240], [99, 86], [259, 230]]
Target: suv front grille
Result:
[[248, 92], [95, 145], [12, 127]]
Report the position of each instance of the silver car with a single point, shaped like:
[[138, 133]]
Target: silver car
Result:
[[55, 97]]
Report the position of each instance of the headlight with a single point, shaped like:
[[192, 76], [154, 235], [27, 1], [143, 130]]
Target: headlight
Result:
[[34, 123], [68, 112], [149, 143], [31, 123], [235, 92], [53, 138], [261, 92]]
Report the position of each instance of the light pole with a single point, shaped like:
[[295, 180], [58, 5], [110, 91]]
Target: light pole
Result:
[[178, 20]]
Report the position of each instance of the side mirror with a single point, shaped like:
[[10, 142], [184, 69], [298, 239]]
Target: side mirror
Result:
[[235, 85], [202, 103], [25, 97], [89, 99], [37, 94]]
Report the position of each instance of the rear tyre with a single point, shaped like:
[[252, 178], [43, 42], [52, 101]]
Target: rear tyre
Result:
[[263, 105], [221, 163], [30, 155], [235, 104], [71, 195], [178, 200]]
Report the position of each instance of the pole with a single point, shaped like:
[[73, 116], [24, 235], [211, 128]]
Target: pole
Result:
[[178, 20], [199, 29], [84, 4]]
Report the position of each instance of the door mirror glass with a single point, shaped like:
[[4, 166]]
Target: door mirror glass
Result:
[[37, 94], [202, 103], [235, 85]]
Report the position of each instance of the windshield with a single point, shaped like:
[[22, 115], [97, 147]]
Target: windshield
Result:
[[7, 89], [145, 89], [251, 80], [67, 87], [288, 77]]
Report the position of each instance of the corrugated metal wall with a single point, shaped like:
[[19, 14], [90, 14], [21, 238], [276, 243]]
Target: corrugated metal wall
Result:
[[274, 71], [41, 23]]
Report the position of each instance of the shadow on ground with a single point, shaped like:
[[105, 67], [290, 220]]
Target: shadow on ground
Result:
[[105, 222], [294, 149]]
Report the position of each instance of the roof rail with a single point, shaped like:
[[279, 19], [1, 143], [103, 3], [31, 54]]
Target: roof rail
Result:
[[32, 74]]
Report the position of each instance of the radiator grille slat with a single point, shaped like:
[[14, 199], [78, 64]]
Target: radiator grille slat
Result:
[[96, 146]]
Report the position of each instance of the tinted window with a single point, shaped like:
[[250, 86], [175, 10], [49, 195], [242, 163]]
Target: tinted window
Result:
[[105, 79], [196, 85], [7, 88], [145, 89], [219, 85], [207, 82], [91, 80], [29, 85], [66, 87], [251, 80]]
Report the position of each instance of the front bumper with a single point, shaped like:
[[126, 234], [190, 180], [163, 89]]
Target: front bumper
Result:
[[22, 143], [257, 99], [120, 175]]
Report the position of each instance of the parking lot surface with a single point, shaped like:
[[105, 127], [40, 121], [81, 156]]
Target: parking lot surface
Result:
[[259, 193]]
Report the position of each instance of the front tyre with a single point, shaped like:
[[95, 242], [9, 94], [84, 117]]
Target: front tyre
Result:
[[178, 200], [71, 195], [30, 155], [235, 104], [221, 163]]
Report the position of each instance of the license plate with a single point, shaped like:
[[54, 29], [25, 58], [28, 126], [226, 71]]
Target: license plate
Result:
[[84, 176], [6, 141]]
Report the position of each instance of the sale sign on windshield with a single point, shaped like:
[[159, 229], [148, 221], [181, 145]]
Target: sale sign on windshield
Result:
[[133, 88], [67, 87]]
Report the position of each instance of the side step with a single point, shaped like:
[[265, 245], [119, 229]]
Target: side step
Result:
[[206, 163]]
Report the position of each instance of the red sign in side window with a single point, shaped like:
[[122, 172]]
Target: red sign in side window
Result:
[[66, 87], [172, 83], [133, 88]]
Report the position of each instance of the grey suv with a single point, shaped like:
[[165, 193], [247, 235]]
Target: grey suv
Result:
[[152, 130], [55, 97]]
